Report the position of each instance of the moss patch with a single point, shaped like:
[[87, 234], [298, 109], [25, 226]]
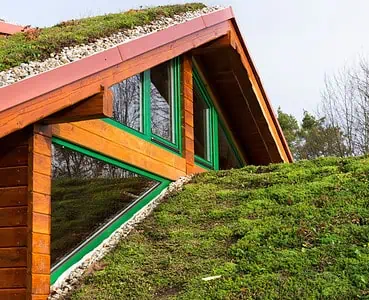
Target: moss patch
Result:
[[39, 44], [288, 231]]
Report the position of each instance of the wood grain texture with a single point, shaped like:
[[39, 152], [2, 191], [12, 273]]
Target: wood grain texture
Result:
[[13, 176], [13, 156], [40, 264], [39, 284], [13, 237], [13, 257], [123, 146], [13, 216], [41, 163], [41, 203], [188, 122], [95, 107], [39, 210], [13, 294], [13, 196], [13, 278], [41, 223], [41, 243]]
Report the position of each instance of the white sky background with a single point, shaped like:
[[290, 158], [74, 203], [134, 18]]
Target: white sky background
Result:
[[294, 43]]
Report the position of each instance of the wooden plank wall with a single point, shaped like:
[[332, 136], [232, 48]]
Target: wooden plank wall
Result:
[[187, 123], [13, 215], [25, 186], [39, 213]]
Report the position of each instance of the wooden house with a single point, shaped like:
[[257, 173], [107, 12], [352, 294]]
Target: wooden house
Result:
[[87, 144]]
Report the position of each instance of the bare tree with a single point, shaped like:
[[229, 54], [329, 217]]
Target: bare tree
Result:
[[345, 105], [127, 102]]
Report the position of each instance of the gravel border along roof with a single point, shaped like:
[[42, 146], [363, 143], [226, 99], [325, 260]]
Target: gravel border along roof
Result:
[[71, 54]]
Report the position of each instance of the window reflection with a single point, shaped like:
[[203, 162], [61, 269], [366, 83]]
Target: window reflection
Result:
[[127, 102], [201, 112], [161, 101], [227, 157], [86, 194]]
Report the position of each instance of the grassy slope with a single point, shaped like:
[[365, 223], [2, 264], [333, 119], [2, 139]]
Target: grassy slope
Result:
[[39, 44], [283, 231]]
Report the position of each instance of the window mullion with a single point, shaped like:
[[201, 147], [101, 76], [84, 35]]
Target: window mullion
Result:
[[146, 105], [215, 139]]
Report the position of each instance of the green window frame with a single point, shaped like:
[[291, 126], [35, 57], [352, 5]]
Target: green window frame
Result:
[[241, 162], [212, 163], [146, 132], [105, 232]]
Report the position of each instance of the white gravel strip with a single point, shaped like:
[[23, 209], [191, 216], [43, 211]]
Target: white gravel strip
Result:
[[71, 54], [72, 277]]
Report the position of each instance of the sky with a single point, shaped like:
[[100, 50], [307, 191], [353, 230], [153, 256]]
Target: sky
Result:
[[294, 44]]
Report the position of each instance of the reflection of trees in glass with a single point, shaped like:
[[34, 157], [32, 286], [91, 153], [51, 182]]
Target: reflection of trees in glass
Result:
[[127, 102], [227, 157], [86, 194], [69, 164], [200, 111], [161, 101]]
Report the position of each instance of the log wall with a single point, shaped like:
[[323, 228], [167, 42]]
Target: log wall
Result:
[[13, 215], [23, 163]]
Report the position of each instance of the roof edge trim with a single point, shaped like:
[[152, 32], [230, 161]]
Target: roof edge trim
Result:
[[9, 29], [51, 80]]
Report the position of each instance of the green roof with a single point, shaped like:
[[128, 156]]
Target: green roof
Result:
[[37, 44], [287, 231]]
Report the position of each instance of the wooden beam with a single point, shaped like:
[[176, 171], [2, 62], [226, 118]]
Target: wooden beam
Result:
[[240, 47], [104, 138], [220, 43], [97, 106]]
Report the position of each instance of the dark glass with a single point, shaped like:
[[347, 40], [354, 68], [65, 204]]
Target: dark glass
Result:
[[127, 102], [161, 101], [201, 112], [86, 194], [227, 157]]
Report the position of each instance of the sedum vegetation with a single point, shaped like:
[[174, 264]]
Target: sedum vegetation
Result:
[[288, 231], [38, 44]]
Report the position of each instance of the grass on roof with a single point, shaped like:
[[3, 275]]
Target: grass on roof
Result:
[[38, 44], [297, 231]]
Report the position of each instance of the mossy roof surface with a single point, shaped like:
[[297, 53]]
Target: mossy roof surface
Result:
[[287, 231], [38, 44]]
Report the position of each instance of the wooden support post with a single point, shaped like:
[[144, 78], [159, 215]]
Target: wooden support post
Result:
[[188, 131], [39, 213]]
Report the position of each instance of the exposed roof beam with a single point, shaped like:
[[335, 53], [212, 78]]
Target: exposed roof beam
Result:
[[95, 107]]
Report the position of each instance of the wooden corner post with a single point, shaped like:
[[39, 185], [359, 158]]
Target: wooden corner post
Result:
[[188, 131], [39, 213]]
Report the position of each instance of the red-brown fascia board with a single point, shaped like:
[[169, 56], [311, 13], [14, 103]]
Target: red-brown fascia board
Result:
[[265, 96], [32, 87], [7, 28]]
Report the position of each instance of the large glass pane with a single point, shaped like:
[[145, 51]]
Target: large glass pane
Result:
[[201, 113], [86, 194], [227, 157], [161, 101], [127, 102]]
